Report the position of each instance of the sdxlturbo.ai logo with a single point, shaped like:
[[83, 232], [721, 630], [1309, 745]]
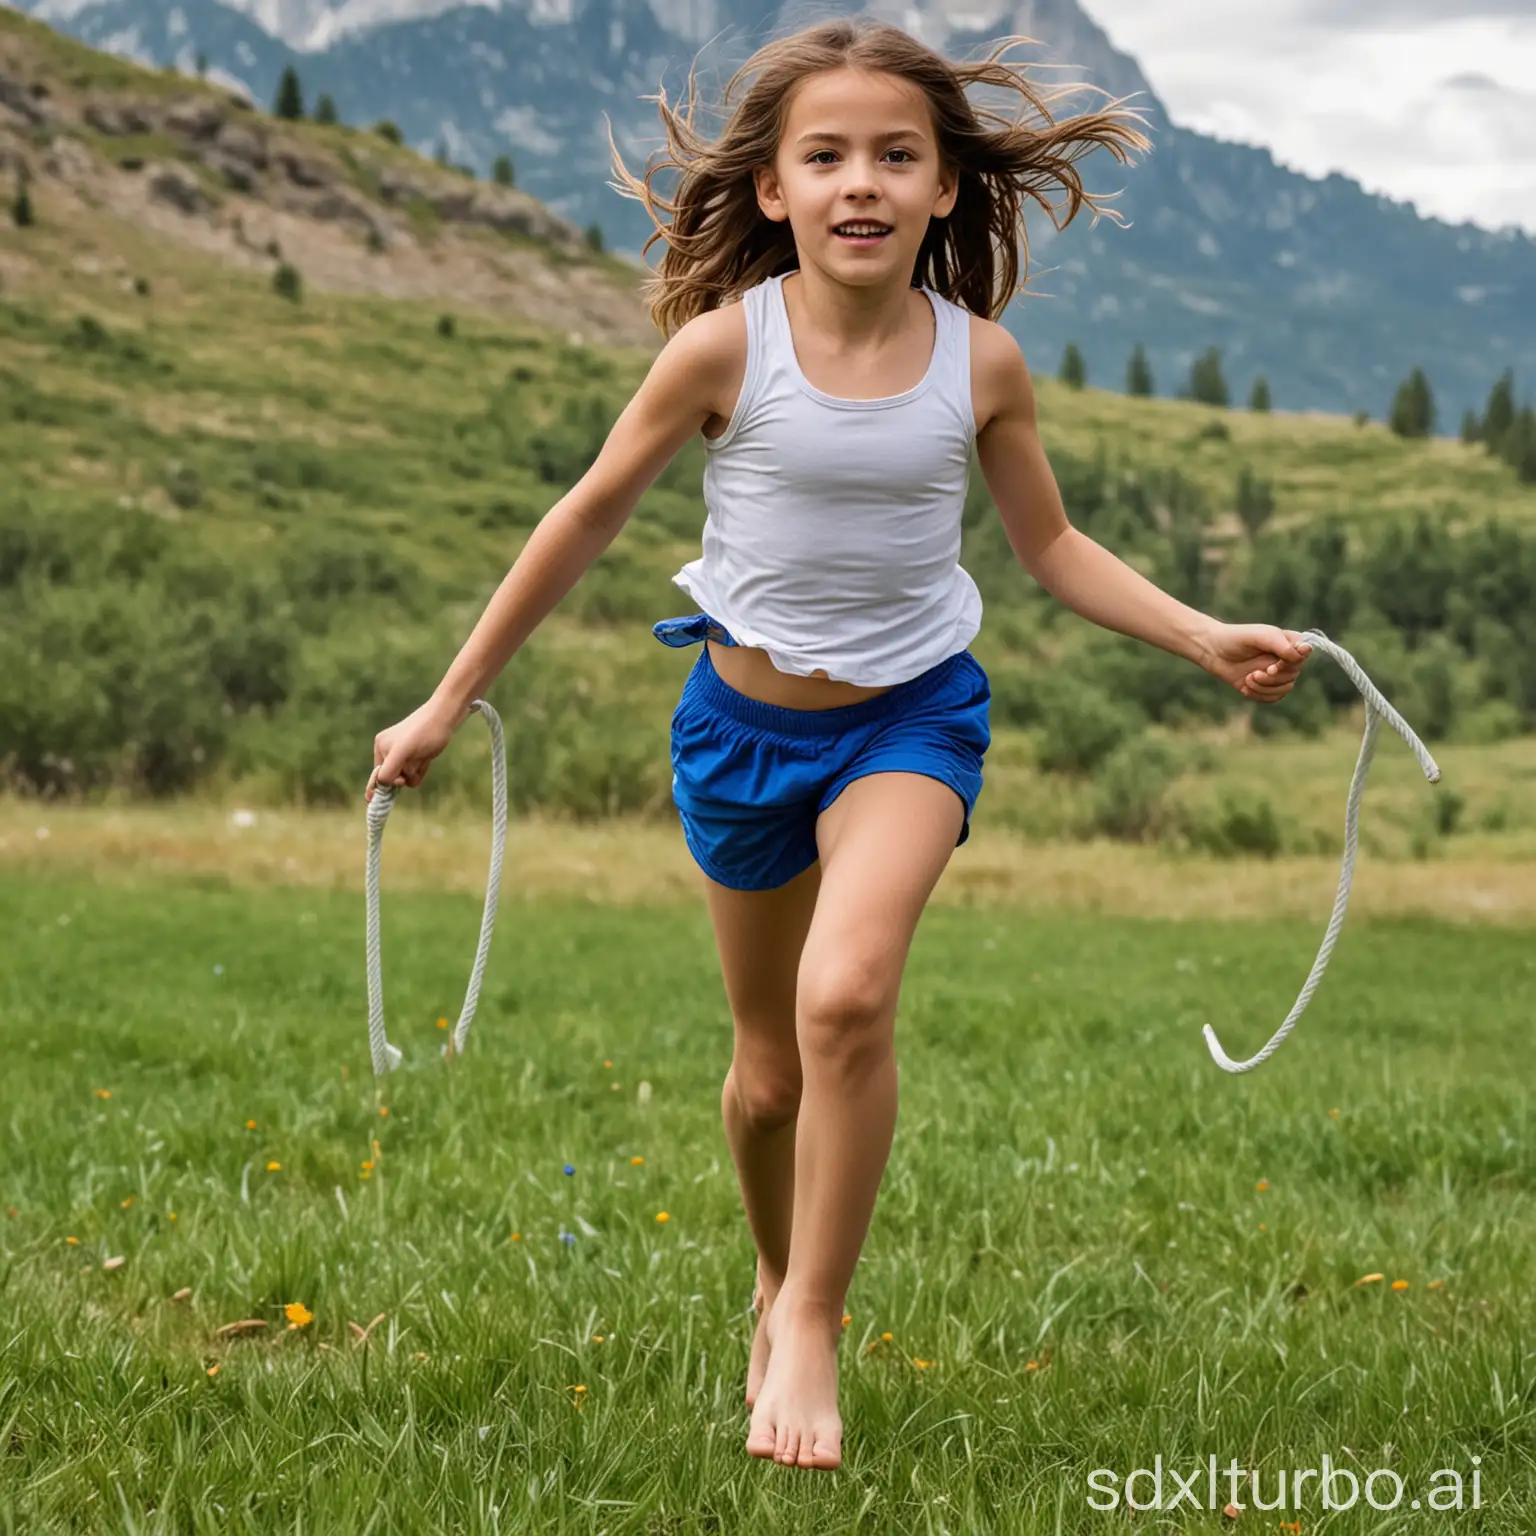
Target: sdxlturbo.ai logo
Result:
[[1236, 1488]]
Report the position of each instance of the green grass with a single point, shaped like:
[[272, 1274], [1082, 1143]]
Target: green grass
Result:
[[1073, 1183]]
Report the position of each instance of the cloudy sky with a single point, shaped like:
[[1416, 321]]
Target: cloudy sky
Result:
[[1432, 101]]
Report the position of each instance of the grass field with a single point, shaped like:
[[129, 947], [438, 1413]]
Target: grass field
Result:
[[1099, 1248]]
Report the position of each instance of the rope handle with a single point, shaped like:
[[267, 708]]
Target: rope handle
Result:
[[1377, 709], [386, 1056]]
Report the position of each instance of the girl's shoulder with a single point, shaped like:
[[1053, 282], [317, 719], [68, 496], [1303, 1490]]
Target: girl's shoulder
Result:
[[999, 374]]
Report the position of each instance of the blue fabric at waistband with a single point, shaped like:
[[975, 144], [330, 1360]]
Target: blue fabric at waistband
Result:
[[718, 694]]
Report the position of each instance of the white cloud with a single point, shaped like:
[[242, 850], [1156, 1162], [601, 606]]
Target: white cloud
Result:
[[1425, 100]]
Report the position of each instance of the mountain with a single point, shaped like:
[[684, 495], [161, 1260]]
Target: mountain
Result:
[[1331, 292]]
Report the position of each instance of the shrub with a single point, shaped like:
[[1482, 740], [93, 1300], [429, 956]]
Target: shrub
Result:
[[1138, 373], [1130, 787], [1074, 370], [21, 208], [1260, 400], [446, 327], [288, 283], [594, 238], [1080, 724], [387, 129], [502, 172]]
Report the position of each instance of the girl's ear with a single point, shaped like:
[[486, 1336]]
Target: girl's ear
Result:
[[770, 195], [949, 192]]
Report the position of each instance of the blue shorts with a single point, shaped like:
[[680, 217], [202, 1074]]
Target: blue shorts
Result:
[[749, 779]]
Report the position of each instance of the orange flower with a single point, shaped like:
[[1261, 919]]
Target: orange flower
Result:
[[847, 1318], [608, 1064], [274, 1167], [129, 1201], [1033, 1365], [250, 1125], [368, 1164], [1435, 1285], [1399, 1285], [442, 1023], [102, 1093], [516, 1237], [384, 1111], [922, 1365], [885, 1338], [635, 1162], [213, 1370], [74, 1242], [299, 1316], [662, 1216]]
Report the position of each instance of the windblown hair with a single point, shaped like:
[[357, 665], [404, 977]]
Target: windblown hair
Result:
[[719, 243]]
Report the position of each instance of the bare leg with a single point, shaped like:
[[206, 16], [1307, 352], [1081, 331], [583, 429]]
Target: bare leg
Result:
[[759, 935], [884, 842]]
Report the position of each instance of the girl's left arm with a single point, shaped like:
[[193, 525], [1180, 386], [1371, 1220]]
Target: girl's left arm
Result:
[[1260, 660]]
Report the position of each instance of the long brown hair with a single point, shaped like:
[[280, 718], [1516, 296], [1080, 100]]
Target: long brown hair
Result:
[[719, 243]]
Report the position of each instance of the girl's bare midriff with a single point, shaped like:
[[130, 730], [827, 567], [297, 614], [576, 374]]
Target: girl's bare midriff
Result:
[[748, 669]]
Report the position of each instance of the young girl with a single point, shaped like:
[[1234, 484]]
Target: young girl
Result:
[[835, 262]]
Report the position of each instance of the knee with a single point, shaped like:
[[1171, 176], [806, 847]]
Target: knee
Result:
[[845, 1013], [765, 1100]]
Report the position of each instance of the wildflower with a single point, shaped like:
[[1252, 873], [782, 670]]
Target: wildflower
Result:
[[213, 1370], [1399, 1285], [1263, 1226], [103, 1093], [365, 1174], [567, 1237], [1333, 1114], [250, 1125], [1262, 1185], [274, 1167], [922, 1365], [74, 1242], [597, 1338], [1032, 1365], [1369, 1279], [608, 1065], [129, 1201], [635, 1162], [298, 1315], [578, 1389], [115, 1262], [847, 1318], [616, 1086], [569, 1170], [885, 1338], [368, 1164], [662, 1216], [384, 1111], [516, 1237], [170, 1215], [442, 1023], [1435, 1285]]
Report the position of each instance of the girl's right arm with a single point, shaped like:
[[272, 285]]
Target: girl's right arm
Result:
[[690, 380]]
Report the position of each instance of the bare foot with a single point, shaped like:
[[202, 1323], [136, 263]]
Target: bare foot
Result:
[[795, 1420], [757, 1366]]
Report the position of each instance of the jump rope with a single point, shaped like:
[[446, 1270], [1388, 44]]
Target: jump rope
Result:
[[387, 1056]]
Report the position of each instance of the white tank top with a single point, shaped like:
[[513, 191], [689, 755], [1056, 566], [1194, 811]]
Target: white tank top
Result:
[[832, 535]]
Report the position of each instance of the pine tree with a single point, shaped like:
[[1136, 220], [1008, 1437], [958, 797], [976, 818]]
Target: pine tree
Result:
[[1259, 400], [502, 173], [202, 64], [1413, 407], [290, 96], [1500, 414], [1255, 502], [1074, 370], [1207, 383], [594, 238], [1138, 373], [325, 109], [1471, 427]]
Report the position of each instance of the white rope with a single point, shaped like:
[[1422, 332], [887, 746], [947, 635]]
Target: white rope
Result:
[[387, 1056], [1376, 710]]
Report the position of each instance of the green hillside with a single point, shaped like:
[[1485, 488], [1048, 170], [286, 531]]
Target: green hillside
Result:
[[240, 533]]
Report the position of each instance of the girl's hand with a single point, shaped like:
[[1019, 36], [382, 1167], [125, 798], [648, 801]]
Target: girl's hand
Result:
[[403, 753], [1259, 660]]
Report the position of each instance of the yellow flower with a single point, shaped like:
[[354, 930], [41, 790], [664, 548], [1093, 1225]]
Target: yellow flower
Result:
[[274, 1167], [608, 1064], [1333, 1114], [368, 1163], [1435, 1285], [597, 1338], [384, 1111], [250, 1125], [922, 1365], [442, 1023], [1399, 1285], [662, 1216], [1263, 1226], [74, 1242], [847, 1318], [213, 1370], [1262, 1185], [885, 1338], [365, 1174], [299, 1316], [170, 1215], [129, 1201], [635, 1162], [103, 1093], [516, 1237], [1033, 1365], [1369, 1279]]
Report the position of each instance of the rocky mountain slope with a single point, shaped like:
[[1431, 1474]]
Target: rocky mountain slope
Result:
[[90, 136], [1331, 292]]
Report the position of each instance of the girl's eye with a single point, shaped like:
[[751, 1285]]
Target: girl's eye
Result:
[[815, 156], [905, 152]]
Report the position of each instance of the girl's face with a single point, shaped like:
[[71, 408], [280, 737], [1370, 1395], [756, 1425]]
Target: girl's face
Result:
[[857, 175]]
